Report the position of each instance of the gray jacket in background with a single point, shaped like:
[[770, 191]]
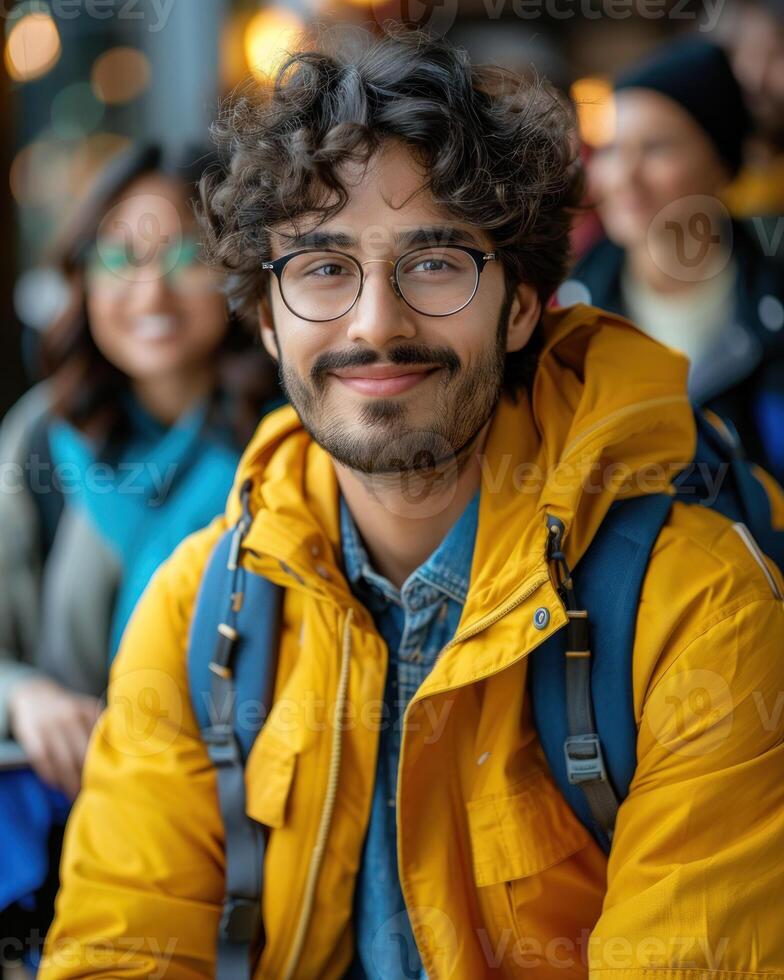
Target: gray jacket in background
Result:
[[55, 615]]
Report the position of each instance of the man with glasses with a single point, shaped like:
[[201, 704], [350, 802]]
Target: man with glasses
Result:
[[395, 220]]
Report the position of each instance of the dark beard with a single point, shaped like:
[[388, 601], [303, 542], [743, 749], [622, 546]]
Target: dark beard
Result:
[[463, 403]]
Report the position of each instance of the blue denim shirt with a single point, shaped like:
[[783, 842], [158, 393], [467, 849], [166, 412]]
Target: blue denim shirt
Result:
[[416, 622]]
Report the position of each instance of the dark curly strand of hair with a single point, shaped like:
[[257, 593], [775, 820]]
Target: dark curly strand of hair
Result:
[[499, 153]]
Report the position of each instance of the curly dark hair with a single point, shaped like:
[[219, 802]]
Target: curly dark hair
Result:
[[499, 152]]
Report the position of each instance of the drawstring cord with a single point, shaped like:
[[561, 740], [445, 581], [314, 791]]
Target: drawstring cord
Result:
[[329, 805]]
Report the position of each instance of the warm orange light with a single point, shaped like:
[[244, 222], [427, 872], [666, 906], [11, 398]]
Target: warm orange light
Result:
[[595, 104], [120, 75], [269, 36], [32, 48]]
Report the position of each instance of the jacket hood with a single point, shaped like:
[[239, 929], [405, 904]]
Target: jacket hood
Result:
[[608, 416]]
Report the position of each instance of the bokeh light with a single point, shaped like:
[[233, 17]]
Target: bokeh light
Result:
[[75, 111], [268, 37], [51, 172], [32, 47], [120, 75], [593, 97]]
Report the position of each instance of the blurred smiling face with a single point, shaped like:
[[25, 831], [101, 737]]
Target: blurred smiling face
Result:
[[152, 306], [384, 387], [659, 155]]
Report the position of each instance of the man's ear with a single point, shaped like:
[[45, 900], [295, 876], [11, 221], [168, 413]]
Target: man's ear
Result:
[[523, 317], [266, 326]]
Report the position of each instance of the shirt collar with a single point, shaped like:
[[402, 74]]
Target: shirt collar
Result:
[[448, 569]]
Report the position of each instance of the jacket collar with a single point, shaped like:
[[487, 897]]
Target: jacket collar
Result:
[[607, 405]]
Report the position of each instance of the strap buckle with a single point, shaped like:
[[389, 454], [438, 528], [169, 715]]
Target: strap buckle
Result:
[[240, 919], [584, 759], [221, 745]]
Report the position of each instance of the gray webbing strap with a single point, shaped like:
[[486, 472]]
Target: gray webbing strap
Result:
[[240, 923], [241, 917], [584, 759], [583, 751]]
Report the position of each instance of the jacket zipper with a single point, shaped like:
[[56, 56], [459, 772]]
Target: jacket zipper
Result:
[[327, 809]]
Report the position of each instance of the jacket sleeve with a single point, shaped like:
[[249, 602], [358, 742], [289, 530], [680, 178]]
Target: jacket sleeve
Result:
[[696, 871], [142, 872]]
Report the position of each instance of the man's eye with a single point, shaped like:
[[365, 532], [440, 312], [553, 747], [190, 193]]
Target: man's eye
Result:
[[431, 265], [328, 270]]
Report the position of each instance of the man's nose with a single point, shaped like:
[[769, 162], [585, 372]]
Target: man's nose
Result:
[[379, 316]]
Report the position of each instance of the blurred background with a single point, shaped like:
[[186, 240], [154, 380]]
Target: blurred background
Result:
[[682, 232], [82, 78]]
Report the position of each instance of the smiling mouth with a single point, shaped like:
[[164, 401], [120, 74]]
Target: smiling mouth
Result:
[[384, 381], [154, 327]]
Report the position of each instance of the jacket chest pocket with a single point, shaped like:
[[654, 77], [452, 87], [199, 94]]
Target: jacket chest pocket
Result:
[[522, 833], [520, 845], [268, 778]]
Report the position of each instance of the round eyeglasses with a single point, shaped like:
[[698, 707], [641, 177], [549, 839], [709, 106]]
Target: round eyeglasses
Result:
[[323, 285]]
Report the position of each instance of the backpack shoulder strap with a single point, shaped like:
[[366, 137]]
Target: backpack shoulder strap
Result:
[[722, 478], [581, 678], [231, 691]]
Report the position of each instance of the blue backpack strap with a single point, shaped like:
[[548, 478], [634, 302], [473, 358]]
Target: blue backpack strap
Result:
[[720, 477], [583, 703], [236, 612], [581, 678]]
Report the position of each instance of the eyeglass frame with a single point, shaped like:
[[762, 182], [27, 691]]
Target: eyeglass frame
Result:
[[480, 257]]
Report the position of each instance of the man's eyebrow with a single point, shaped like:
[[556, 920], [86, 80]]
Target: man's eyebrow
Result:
[[413, 238]]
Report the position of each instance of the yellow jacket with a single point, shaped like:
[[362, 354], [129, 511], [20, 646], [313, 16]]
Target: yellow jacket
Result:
[[499, 877]]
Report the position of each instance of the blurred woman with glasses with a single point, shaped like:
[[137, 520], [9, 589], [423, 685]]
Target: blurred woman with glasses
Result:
[[151, 389]]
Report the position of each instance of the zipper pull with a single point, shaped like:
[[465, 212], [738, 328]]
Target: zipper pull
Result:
[[556, 530], [578, 629], [556, 556]]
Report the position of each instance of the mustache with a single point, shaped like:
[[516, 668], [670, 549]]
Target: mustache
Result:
[[402, 355]]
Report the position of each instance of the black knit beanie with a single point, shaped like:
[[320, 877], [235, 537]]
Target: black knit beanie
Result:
[[697, 75]]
